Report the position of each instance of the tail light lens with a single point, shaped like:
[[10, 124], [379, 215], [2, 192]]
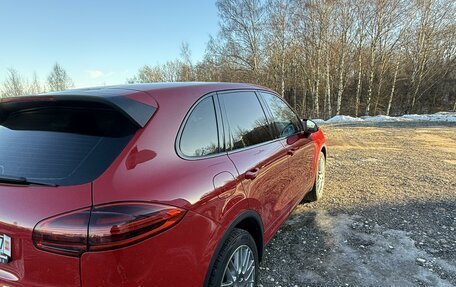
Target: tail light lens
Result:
[[104, 227], [117, 225], [64, 234]]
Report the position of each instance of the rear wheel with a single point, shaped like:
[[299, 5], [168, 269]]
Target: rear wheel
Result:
[[237, 262], [317, 191]]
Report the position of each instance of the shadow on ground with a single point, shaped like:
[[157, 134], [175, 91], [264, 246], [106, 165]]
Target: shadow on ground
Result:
[[386, 245], [388, 216]]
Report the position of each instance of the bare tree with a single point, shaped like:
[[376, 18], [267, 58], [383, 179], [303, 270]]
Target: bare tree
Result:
[[376, 30], [332, 56], [241, 31], [393, 87], [362, 15], [147, 74], [325, 15], [59, 79], [346, 38], [35, 86], [14, 85], [279, 36], [186, 63], [434, 17]]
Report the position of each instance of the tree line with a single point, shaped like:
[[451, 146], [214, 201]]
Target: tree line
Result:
[[330, 57], [325, 57], [16, 85]]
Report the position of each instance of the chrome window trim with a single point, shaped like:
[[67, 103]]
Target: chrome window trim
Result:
[[220, 114]]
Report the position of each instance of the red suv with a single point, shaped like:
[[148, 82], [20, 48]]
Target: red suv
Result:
[[176, 184]]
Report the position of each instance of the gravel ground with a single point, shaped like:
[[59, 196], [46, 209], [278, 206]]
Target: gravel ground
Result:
[[388, 217]]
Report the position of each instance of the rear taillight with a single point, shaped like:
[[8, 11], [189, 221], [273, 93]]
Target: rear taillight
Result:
[[104, 227], [64, 234], [116, 225]]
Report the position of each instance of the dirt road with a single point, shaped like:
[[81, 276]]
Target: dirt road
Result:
[[388, 217]]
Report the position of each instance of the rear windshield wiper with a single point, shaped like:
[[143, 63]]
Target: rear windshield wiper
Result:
[[22, 181]]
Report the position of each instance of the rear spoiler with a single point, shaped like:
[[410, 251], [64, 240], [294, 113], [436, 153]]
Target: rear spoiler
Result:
[[138, 112]]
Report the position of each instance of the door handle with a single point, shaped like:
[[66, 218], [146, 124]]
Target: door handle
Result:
[[291, 151], [252, 174]]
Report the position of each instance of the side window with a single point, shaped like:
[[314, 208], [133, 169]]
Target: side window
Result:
[[246, 118], [200, 136], [284, 118]]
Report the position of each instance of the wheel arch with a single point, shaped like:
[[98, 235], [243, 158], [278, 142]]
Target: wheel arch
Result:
[[319, 148], [323, 150], [249, 221]]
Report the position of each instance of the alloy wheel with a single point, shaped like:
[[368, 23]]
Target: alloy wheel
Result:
[[321, 176], [240, 269]]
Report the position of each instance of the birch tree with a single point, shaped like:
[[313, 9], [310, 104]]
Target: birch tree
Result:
[[329, 57], [241, 30]]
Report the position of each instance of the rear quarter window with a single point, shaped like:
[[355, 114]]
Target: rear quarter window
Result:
[[200, 135]]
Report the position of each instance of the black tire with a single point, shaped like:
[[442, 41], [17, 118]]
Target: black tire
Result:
[[313, 195], [237, 238]]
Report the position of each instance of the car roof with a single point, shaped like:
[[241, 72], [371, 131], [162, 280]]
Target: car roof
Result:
[[154, 88], [146, 97]]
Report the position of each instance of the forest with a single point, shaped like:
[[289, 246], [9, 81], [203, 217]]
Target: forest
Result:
[[325, 57]]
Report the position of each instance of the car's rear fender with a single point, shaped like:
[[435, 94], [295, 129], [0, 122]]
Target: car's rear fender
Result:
[[237, 222]]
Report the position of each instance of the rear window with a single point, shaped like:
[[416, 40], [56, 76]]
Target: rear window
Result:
[[62, 144]]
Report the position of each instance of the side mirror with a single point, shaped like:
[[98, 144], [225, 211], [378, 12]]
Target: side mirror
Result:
[[309, 126]]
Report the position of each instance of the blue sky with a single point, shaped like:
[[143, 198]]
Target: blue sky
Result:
[[100, 41]]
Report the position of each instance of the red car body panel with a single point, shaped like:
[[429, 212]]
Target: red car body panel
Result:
[[21, 209], [181, 251], [262, 192], [214, 192]]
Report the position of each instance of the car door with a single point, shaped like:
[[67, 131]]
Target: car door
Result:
[[259, 157], [299, 146]]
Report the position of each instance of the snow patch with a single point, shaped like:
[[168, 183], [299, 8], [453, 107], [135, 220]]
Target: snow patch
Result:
[[318, 121], [382, 118], [340, 118], [380, 257], [437, 117]]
